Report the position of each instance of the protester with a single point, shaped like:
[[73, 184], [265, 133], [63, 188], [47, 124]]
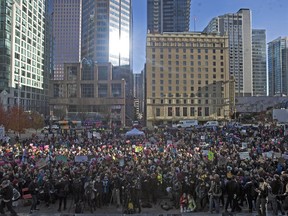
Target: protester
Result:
[[193, 162], [6, 198]]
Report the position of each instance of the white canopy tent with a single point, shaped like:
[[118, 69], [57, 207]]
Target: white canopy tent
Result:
[[135, 132]]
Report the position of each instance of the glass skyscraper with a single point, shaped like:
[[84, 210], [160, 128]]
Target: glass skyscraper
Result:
[[66, 16], [106, 31], [259, 62], [23, 58], [168, 15], [278, 66]]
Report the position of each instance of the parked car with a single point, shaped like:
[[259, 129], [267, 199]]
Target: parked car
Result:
[[186, 123], [211, 124], [55, 127]]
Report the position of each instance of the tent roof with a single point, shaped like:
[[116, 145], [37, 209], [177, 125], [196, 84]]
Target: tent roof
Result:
[[134, 132]]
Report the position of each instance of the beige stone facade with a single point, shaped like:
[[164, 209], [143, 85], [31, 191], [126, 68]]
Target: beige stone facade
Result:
[[89, 90], [187, 77]]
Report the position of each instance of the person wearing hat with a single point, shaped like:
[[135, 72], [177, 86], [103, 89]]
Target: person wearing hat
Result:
[[7, 196]]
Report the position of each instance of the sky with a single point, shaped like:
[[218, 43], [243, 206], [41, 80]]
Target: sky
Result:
[[271, 15]]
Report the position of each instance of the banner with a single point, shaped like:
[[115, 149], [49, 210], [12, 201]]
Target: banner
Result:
[[244, 155], [81, 158], [41, 163], [61, 158], [267, 154]]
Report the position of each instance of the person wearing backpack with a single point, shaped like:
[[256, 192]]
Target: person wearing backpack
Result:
[[215, 193], [250, 192]]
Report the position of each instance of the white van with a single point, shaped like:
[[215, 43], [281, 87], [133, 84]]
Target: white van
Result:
[[187, 123], [211, 124]]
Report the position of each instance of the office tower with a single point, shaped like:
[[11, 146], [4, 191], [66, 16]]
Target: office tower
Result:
[[187, 81], [23, 56], [139, 94], [168, 15], [238, 28], [259, 62], [278, 66], [106, 31], [67, 16]]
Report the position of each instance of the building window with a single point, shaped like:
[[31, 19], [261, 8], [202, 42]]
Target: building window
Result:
[[102, 90], [170, 111], [185, 111], [177, 111], [87, 72], [158, 113], [102, 73], [206, 112], [87, 90], [192, 111], [199, 111]]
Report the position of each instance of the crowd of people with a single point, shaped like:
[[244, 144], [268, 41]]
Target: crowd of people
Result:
[[203, 169]]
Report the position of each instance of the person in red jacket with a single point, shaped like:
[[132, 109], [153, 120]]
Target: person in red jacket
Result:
[[183, 202]]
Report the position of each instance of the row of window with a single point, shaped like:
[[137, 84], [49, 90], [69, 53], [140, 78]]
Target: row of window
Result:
[[191, 101], [185, 50], [87, 91], [186, 111]]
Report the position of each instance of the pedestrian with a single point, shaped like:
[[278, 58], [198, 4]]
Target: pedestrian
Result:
[[34, 190], [262, 197], [7, 196]]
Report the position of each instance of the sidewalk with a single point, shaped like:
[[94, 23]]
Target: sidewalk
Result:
[[113, 211]]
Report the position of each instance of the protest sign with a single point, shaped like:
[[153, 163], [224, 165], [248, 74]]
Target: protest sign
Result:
[[244, 145], [169, 142], [81, 158], [41, 163], [244, 155], [267, 154], [138, 148], [61, 158], [205, 152], [210, 155]]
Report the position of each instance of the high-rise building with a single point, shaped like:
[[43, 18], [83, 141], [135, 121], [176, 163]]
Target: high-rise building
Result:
[[278, 66], [238, 28], [187, 81], [23, 56], [139, 94], [168, 15], [106, 31], [67, 16], [259, 65]]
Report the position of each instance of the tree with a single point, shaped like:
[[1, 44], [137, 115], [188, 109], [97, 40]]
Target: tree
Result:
[[60, 113], [36, 121], [3, 116], [17, 119]]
